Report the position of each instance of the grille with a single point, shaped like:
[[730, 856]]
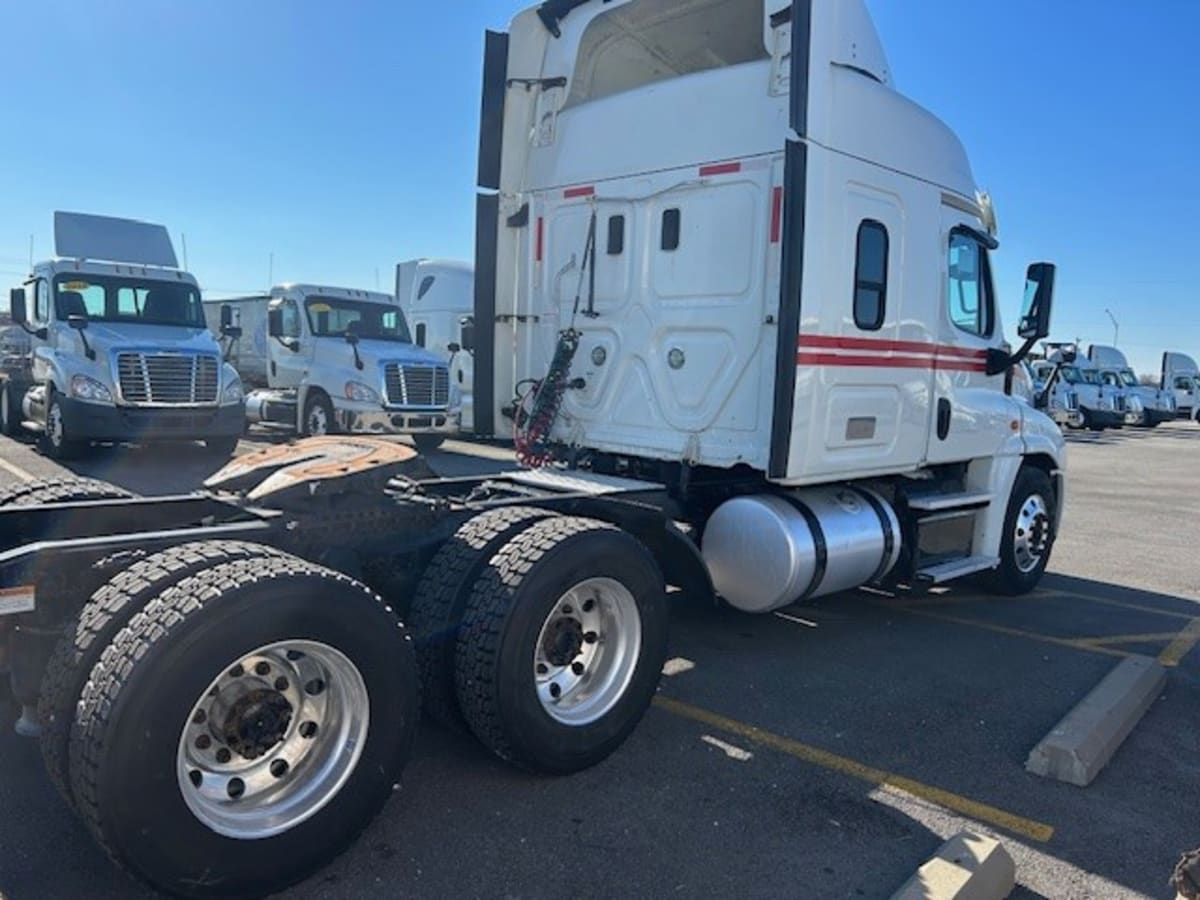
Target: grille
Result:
[[1120, 403], [1072, 400], [419, 386], [164, 379]]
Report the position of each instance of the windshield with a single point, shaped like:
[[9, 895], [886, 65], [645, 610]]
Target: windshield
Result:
[[330, 317], [1129, 378], [1070, 375], [1090, 376], [127, 300]]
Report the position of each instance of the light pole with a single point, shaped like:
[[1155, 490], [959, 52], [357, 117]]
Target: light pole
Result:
[[1116, 328]]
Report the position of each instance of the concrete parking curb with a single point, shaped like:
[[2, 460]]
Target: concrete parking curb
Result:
[[969, 866], [1087, 737]]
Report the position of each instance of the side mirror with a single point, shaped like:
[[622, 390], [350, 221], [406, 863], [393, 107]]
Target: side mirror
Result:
[[1039, 299], [226, 317], [274, 322], [454, 348], [352, 336], [16, 306], [1069, 356], [467, 334], [79, 323]]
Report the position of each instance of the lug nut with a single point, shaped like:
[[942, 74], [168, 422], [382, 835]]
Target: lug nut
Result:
[[236, 788], [262, 669]]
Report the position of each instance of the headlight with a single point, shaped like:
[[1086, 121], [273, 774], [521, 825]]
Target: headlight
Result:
[[90, 390], [233, 393], [361, 393]]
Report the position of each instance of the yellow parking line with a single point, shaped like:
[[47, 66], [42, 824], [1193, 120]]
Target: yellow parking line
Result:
[[972, 809], [1073, 643], [1121, 604], [1182, 645], [16, 470], [1109, 640]]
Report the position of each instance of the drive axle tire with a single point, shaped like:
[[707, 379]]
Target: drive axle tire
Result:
[[244, 728], [1028, 535], [442, 595], [10, 410], [109, 609], [67, 489], [562, 645]]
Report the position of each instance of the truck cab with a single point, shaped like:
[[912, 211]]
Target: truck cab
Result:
[[1101, 405], [339, 360], [438, 299], [1055, 395], [117, 348], [1181, 376], [1147, 407]]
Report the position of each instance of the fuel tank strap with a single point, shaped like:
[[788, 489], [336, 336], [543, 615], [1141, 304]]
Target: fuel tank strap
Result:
[[819, 544], [889, 538]]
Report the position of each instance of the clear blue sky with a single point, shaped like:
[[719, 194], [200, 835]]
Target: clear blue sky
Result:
[[341, 137]]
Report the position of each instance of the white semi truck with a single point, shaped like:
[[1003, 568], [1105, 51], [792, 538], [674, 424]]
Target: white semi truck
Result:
[[734, 294], [1181, 376], [1055, 395], [438, 299], [1102, 406], [327, 360], [115, 347], [1149, 407]]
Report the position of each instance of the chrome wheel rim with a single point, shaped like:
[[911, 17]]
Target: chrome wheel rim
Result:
[[54, 425], [273, 739], [587, 651], [318, 422], [1032, 536]]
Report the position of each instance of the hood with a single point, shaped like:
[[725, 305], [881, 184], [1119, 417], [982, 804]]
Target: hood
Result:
[[109, 336], [391, 351]]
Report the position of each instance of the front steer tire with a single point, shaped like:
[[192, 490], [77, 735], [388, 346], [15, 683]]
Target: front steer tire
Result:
[[1019, 572], [109, 608], [128, 763], [529, 586]]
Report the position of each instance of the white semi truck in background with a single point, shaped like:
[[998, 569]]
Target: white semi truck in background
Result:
[[1153, 406], [1101, 406], [327, 360], [114, 346], [734, 294], [1055, 395], [438, 299], [1181, 376]]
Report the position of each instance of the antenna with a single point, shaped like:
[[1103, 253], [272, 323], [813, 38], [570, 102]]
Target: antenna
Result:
[[1116, 327]]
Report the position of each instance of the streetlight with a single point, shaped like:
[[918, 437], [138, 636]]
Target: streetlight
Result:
[[1116, 327]]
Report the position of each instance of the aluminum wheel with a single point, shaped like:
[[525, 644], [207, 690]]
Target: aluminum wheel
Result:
[[54, 425], [587, 651], [318, 421], [1032, 536], [273, 739]]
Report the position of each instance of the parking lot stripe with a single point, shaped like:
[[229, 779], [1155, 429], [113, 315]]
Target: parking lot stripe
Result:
[[973, 809], [1110, 640], [1104, 601], [1182, 645], [16, 470], [1073, 643]]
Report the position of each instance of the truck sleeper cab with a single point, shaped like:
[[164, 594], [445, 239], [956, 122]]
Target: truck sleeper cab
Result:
[[1181, 376], [118, 351], [338, 360], [1147, 407]]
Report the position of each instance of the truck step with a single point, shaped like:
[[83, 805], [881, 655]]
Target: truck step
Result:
[[956, 568], [944, 502], [37, 427]]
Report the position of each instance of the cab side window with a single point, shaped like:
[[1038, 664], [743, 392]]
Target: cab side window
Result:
[[291, 319], [871, 276], [41, 302], [1183, 384], [969, 292]]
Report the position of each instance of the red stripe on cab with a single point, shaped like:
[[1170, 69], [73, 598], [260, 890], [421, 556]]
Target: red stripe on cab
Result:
[[888, 362], [573, 193], [831, 342]]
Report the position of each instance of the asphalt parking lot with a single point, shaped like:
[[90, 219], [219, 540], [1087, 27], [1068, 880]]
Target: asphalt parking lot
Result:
[[825, 751]]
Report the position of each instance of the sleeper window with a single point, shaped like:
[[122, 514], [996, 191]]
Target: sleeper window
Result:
[[870, 276], [671, 224], [969, 291], [420, 334], [426, 284], [616, 235]]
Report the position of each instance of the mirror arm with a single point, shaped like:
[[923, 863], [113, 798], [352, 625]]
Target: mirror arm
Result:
[[358, 363], [87, 348]]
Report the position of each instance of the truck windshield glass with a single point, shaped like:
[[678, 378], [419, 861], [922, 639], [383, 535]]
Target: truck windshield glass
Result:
[[127, 300], [332, 317], [1129, 378], [1090, 376], [1070, 374]]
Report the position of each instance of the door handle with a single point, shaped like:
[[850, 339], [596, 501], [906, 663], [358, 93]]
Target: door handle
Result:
[[943, 418]]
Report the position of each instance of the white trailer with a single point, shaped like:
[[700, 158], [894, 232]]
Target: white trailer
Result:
[[329, 360], [438, 299], [116, 348], [1181, 376], [1149, 407]]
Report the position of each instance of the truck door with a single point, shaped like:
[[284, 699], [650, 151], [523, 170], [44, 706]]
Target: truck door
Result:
[[972, 415], [40, 316], [288, 367]]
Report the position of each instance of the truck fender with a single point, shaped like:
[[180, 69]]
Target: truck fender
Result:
[[680, 560]]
